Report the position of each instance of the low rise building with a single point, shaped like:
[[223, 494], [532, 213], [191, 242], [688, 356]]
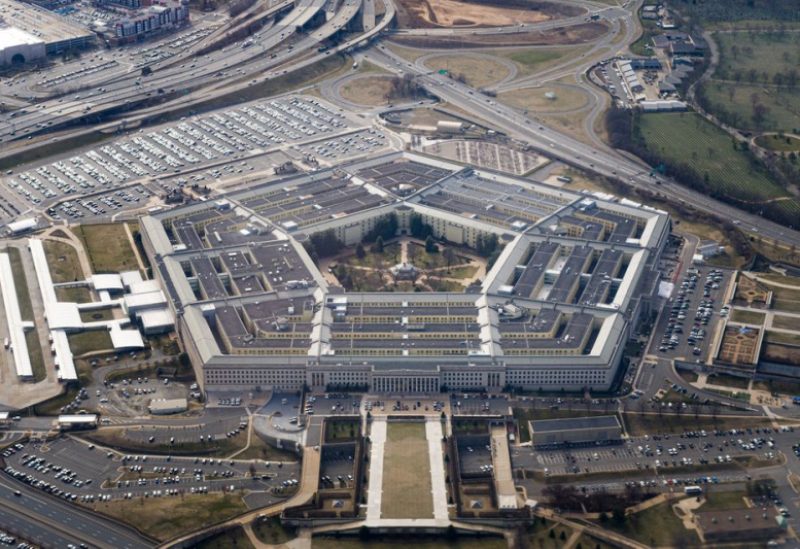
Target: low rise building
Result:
[[578, 431]]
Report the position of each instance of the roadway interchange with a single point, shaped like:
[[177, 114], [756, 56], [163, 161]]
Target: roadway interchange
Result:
[[230, 63], [572, 151]]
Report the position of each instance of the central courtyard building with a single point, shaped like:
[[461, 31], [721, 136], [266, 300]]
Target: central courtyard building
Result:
[[573, 275]]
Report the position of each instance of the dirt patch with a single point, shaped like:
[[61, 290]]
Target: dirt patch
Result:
[[474, 13], [577, 34], [369, 90]]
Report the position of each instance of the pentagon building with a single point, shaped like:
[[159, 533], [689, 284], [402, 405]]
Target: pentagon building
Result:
[[554, 311]]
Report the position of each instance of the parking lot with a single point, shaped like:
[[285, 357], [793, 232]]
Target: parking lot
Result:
[[661, 452], [337, 466], [194, 142], [79, 472], [693, 311], [474, 456]]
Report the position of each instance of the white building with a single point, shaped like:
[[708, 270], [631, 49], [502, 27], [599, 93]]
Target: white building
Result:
[[18, 47]]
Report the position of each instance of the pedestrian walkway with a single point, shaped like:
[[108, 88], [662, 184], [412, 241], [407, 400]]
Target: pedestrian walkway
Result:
[[433, 433], [377, 438]]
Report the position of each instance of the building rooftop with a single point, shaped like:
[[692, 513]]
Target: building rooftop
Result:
[[575, 424]]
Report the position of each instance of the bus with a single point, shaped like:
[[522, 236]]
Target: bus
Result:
[[692, 490]]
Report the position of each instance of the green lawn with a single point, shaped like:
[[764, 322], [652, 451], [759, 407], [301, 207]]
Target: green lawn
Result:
[[747, 317], [658, 526], [780, 143], [35, 354], [532, 60], [97, 315], [108, 247], [76, 294], [670, 422], [20, 283], [63, 262], [390, 256], [782, 338], [785, 322], [729, 381], [89, 341], [718, 500], [785, 299], [688, 139], [406, 472], [755, 68]]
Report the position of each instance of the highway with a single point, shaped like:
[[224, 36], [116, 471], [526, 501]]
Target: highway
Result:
[[574, 152], [54, 523], [208, 69]]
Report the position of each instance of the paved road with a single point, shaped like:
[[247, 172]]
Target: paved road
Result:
[[52, 515], [568, 149]]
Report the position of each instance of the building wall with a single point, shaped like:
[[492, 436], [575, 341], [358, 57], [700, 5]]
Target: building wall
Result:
[[31, 52]]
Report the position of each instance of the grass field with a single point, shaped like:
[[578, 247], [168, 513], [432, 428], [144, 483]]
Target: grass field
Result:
[[567, 98], [20, 283], [723, 500], [729, 381], [734, 103], [117, 438], [108, 247], [406, 473], [785, 322], [532, 60], [669, 422], [756, 68], [368, 90], [63, 262], [77, 294], [783, 338], [89, 341], [97, 315], [658, 526], [785, 299], [779, 143], [168, 517], [688, 139], [35, 355], [747, 317], [477, 71]]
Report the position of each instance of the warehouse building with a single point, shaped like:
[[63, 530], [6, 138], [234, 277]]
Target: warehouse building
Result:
[[554, 312], [578, 431]]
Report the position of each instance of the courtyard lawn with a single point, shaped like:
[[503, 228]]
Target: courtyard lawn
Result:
[[62, 259], [406, 472], [76, 294], [89, 341], [108, 247]]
